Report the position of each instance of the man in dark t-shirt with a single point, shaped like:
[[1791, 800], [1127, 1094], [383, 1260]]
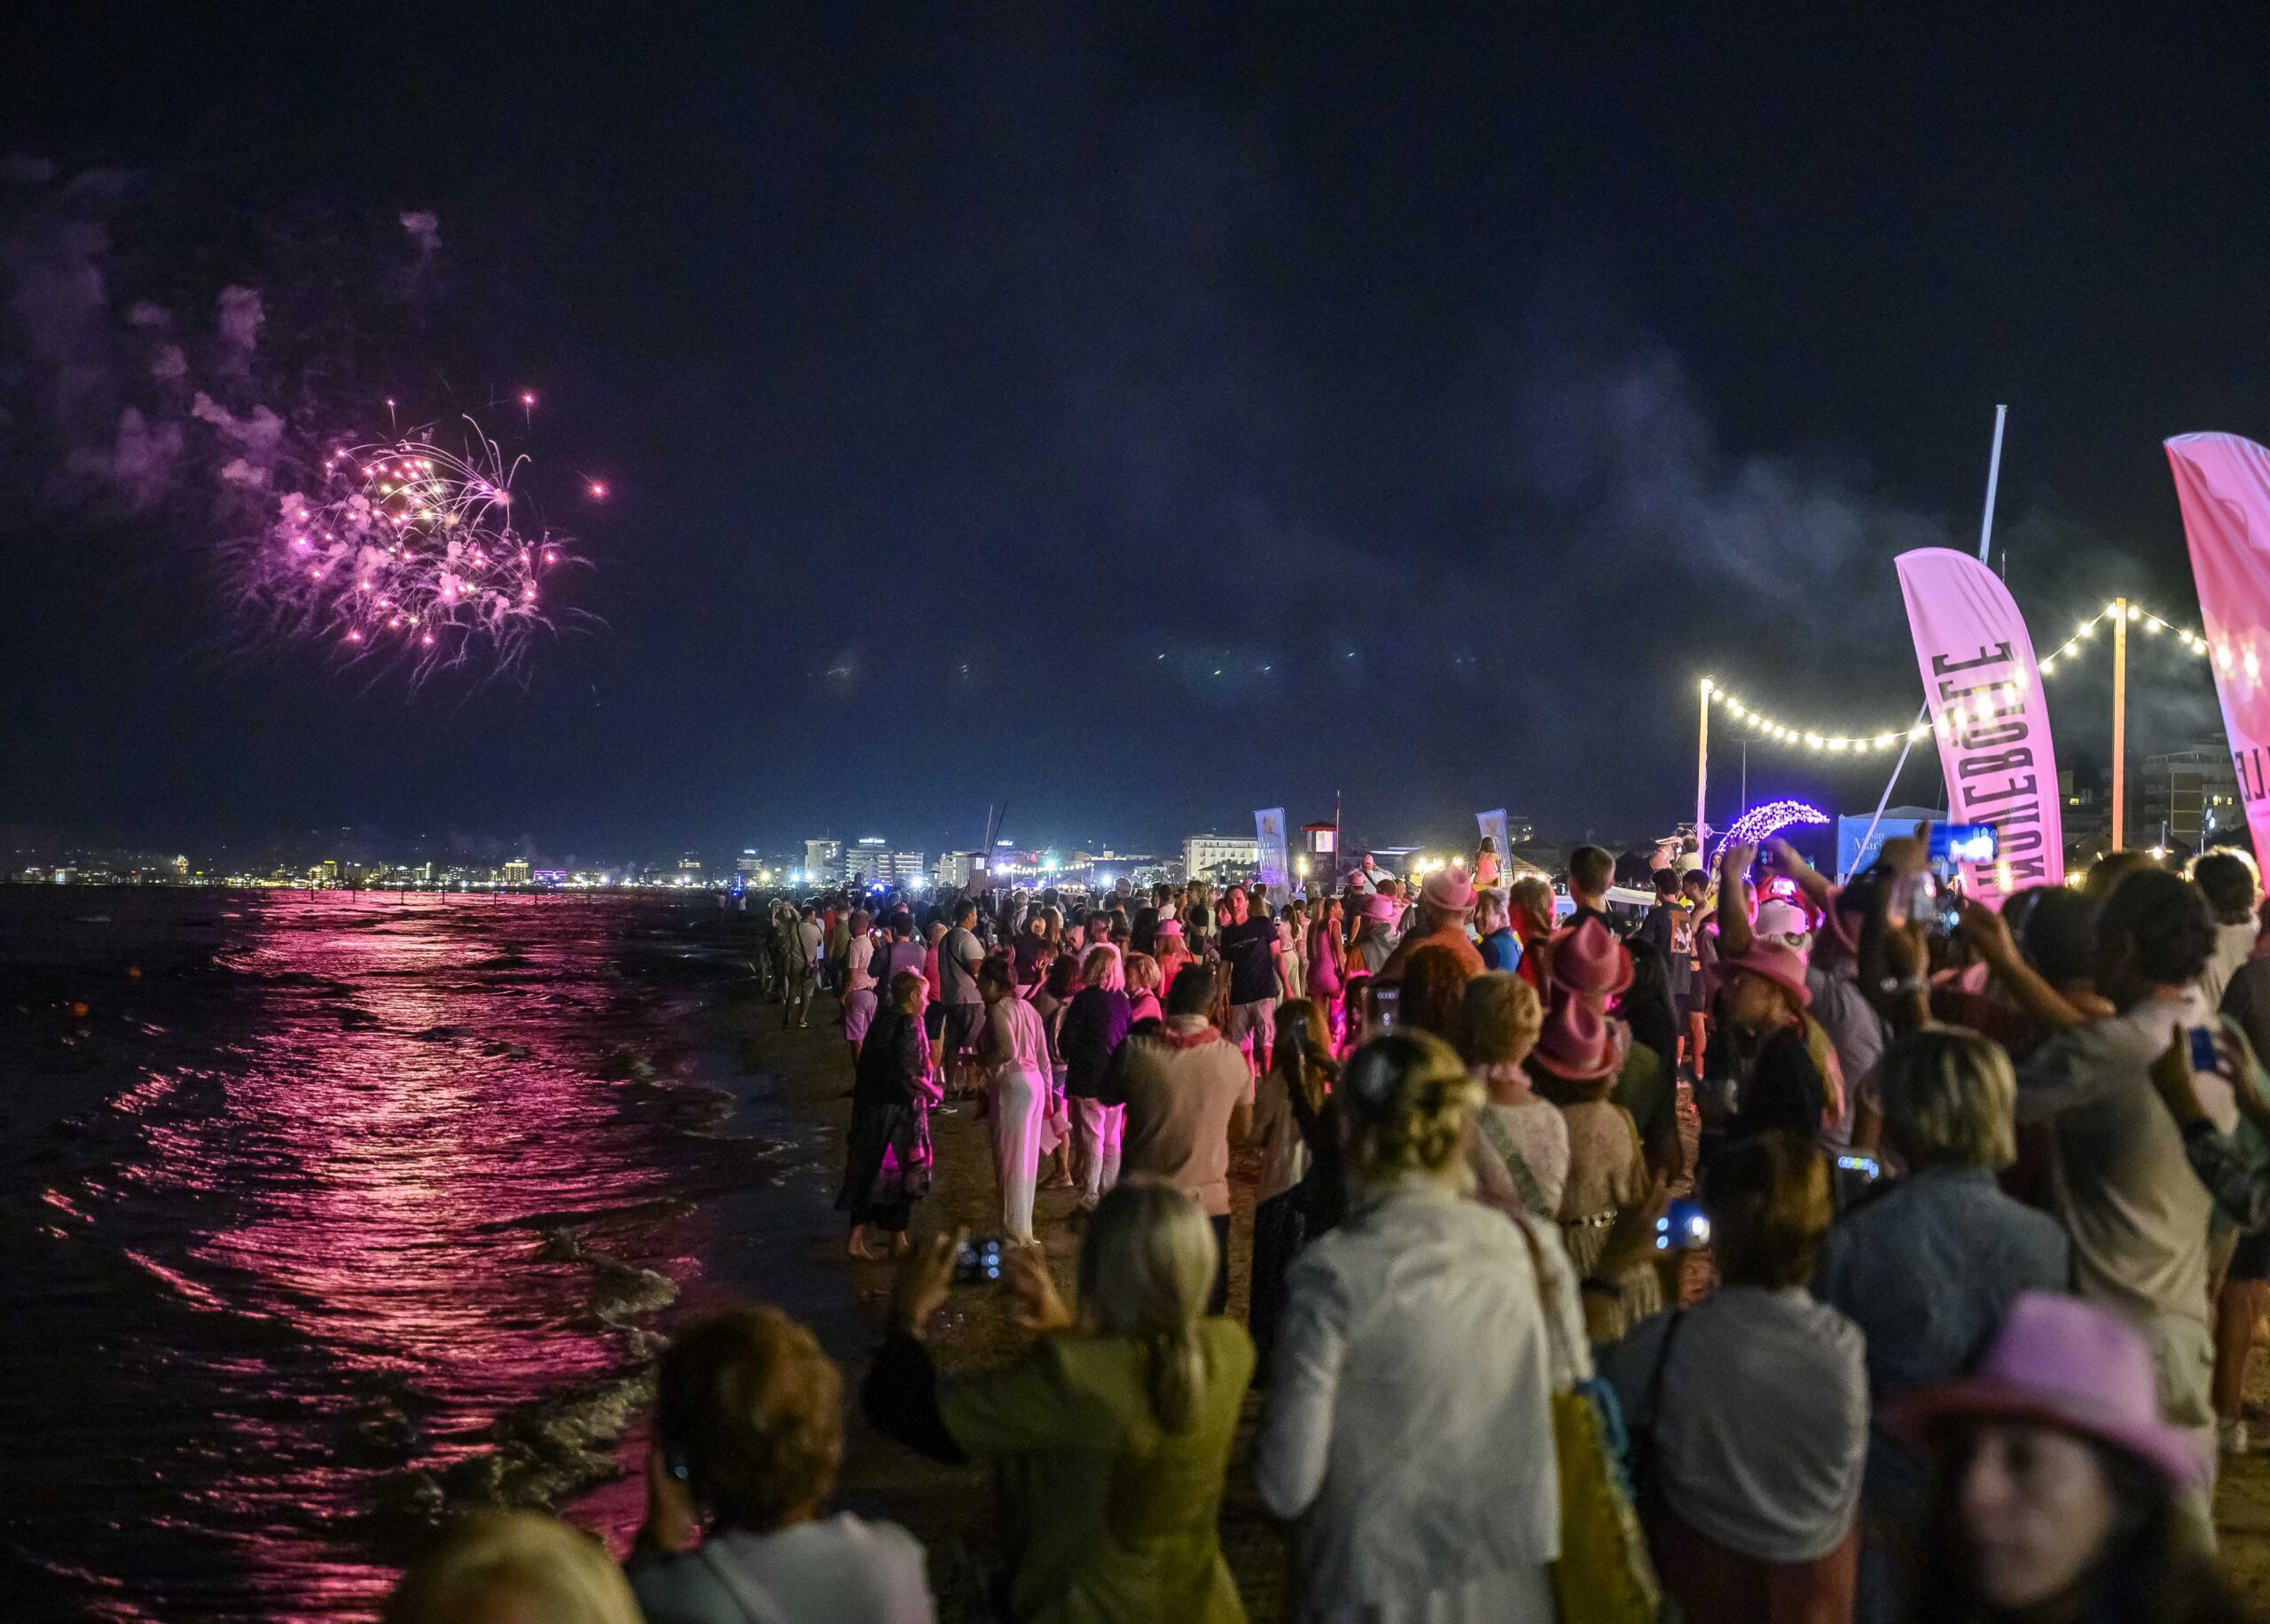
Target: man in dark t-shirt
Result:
[[1248, 947]]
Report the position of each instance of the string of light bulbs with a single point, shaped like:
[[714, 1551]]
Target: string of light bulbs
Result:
[[1847, 743]]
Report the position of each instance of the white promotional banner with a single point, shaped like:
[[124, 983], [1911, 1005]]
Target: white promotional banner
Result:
[[1276, 862], [1987, 712], [2222, 483]]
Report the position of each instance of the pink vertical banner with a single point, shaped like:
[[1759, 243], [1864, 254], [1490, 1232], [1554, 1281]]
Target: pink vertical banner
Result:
[[1987, 711], [2222, 483]]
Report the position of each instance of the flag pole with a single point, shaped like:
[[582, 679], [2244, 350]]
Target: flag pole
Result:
[[1986, 539], [2119, 724]]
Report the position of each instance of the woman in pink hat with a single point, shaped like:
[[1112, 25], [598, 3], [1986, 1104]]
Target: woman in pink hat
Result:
[[1374, 937], [1173, 951], [2059, 1484], [1579, 1054], [1439, 920], [1765, 1000]]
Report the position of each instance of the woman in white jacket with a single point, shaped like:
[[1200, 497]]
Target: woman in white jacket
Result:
[[1409, 1428]]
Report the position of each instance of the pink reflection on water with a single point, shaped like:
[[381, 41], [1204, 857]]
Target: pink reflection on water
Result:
[[393, 1188]]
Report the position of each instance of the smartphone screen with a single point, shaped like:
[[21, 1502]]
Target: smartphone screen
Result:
[[2203, 1057], [1386, 1004], [1964, 843]]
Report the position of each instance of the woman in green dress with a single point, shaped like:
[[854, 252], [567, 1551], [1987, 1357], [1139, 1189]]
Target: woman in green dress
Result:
[[1109, 1435]]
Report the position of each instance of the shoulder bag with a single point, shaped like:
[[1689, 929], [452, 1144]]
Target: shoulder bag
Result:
[[1604, 1575]]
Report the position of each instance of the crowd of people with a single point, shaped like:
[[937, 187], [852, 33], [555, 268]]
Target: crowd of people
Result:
[[1776, 1255]]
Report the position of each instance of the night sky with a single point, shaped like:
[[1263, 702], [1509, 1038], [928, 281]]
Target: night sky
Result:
[[1129, 414]]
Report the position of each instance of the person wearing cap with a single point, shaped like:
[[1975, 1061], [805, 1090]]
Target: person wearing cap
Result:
[[1445, 904], [1753, 1406], [1928, 1264], [2059, 1489], [1408, 1434]]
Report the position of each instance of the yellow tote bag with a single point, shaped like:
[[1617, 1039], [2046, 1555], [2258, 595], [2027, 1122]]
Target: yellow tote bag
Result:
[[1605, 1575]]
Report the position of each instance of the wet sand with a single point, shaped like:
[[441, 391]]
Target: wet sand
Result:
[[782, 1242], [791, 1087]]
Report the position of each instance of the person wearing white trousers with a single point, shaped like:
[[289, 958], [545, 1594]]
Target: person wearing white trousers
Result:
[[1016, 1050]]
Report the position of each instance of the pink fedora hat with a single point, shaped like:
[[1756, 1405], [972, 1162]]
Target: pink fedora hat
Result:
[[1777, 963], [1448, 888], [2065, 1364], [1580, 1041], [1587, 959]]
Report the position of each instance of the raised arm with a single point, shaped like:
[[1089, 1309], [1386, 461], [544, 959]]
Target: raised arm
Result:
[[1989, 935], [1734, 932]]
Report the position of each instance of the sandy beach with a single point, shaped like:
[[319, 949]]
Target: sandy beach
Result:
[[799, 1077]]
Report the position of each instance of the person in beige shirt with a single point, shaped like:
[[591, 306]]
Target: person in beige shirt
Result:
[[1189, 1098]]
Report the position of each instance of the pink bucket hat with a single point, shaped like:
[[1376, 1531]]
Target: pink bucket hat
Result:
[[1587, 959], [1450, 889], [1580, 1041], [2066, 1363], [1169, 927], [1378, 907], [1777, 963]]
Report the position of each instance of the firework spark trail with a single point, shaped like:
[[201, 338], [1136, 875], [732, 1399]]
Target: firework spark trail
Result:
[[408, 552]]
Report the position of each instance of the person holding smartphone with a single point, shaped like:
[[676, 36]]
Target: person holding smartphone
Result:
[[1109, 1433]]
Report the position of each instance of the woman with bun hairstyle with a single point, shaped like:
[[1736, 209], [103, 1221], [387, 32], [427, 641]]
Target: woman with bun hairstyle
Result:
[[1408, 1434]]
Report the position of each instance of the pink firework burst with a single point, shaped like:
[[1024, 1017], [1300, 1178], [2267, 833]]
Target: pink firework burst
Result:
[[411, 552]]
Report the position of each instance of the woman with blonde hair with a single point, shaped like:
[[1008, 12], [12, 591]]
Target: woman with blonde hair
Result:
[[1110, 1434], [500, 1567], [749, 1433], [1520, 1149], [1928, 1266], [1409, 1432], [1143, 984], [1094, 1024]]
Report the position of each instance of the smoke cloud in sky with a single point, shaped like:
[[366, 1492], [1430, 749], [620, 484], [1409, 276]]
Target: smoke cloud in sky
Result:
[[1076, 417]]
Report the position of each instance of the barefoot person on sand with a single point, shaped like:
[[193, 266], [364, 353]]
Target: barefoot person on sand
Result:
[[1016, 1056], [887, 1160]]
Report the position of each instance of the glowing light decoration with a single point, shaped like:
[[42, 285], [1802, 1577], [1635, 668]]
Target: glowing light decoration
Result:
[[410, 551], [1866, 741], [1760, 824]]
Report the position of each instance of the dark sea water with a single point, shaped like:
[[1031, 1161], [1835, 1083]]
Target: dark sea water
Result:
[[319, 1214]]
